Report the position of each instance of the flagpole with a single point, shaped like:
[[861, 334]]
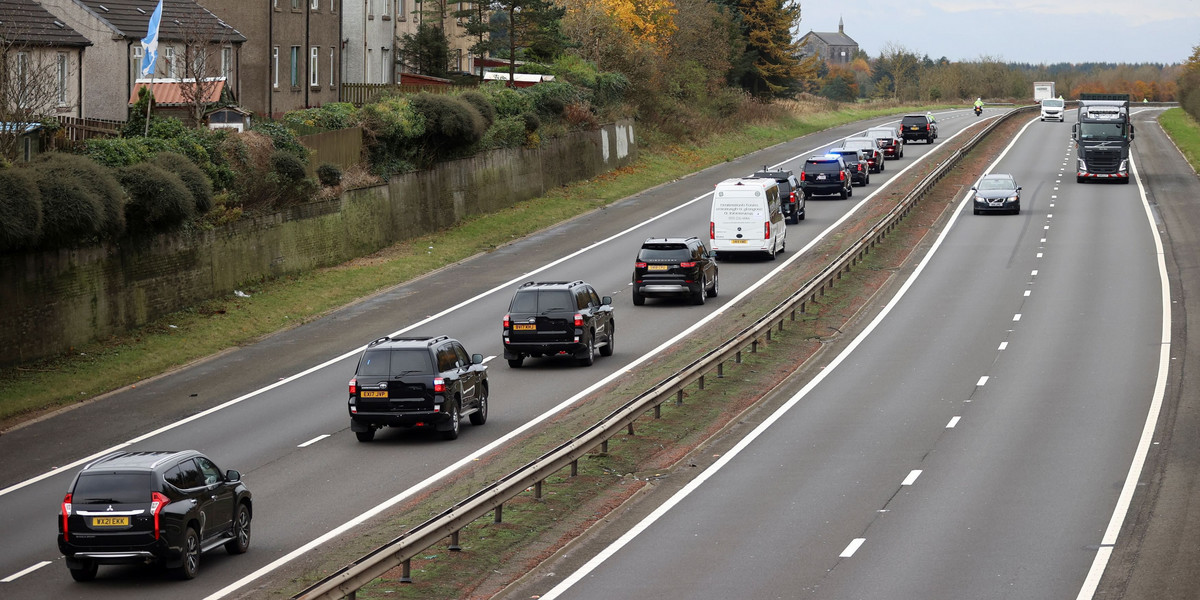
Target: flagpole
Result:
[[150, 48]]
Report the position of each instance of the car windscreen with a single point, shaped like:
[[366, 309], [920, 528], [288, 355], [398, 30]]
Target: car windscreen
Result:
[[665, 252], [541, 301], [112, 488], [388, 362], [1052, 103], [996, 184]]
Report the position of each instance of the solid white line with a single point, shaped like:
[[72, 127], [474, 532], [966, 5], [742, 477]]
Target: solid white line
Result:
[[852, 548], [18, 574], [912, 477], [982, 381], [724, 459], [313, 441], [953, 422], [1160, 385], [488, 359]]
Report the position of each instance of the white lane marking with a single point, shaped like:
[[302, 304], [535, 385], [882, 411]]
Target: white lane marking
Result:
[[488, 359], [24, 572], [1017, 317], [850, 550], [1160, 385], [1050, 216], [1046, 227], [1027, 292], [982, 381], [952, 423], [1039, 254], [313, 441], [335, 532], [1033, 273], [912, 477], [1003, 346]]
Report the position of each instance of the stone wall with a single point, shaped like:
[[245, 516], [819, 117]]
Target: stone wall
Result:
[[52, 301]]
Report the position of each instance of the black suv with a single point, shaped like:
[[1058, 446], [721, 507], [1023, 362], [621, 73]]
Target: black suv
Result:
[[825, 175], [417, 382], [558, 317], [918, 127], [856, 162], [152, 507], [790, 195], [672, 267]]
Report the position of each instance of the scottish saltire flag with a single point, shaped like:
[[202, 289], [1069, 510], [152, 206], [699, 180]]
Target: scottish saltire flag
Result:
[[150, 42]]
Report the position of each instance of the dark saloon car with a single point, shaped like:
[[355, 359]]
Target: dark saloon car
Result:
[[551, 318], [889, 141], [997, 192], [856, 162], [426, 382], [674, 267], [162, 508], [918, 127], [869, 147], [826, 175]]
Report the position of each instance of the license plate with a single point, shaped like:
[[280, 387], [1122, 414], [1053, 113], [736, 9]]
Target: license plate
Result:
[[820, 177], [525, 327], [373, 393], [110, 521], [914, 128], [656, 268], [737, 241]]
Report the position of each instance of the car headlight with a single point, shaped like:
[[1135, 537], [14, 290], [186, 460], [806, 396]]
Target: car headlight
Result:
[[1013, 198]]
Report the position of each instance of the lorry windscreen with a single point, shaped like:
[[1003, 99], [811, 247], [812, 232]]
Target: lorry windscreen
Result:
[[1101, 131]]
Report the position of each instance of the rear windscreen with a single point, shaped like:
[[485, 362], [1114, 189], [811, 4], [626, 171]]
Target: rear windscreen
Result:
[[385, 363], [112, 488], [913, 121], [822, 167], [664, 252], [540, 301]]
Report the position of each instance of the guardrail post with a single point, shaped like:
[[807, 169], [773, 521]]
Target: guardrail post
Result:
[[454, 547], [721, 370], [701, 382], [754, 347], [499, 514], [769, 333], [406, 571], [781, 325], [574, 467], [738, 357], [679, 398], [629, 430], [537, 490], [604, 447], [657, 411]]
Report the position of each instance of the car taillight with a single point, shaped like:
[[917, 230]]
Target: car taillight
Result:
[[439, 385], [507, 321], [353, 386], [792, 198], [687, 265], [157, 502], [842, 175], [639, 265], [578, 320], [801, 175], [66, 511]]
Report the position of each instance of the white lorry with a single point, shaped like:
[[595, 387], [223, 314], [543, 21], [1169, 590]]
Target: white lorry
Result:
[[1043, 90]]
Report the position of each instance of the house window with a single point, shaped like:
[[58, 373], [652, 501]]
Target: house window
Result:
[[370, 59], [370, 9], [275, 66], [295, 66], [384, 65], [169, 56], [63, 67], [400, 11], [275, 4], [312, 67], [22, 67], [137, 61], [295, 4], [227, 62], [387, 8], [333, 5], [458, 59], [331, 66], [314, 5]]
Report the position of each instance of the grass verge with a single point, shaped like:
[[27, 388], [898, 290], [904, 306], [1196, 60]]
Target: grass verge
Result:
[[1185, 132], [182, 337]]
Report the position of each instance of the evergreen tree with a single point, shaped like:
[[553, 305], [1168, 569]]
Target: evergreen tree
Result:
[[427, 51], [776, 69], [533, 30]]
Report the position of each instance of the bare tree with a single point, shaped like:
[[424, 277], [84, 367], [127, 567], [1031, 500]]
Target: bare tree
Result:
[[32, 79], [200, 64]]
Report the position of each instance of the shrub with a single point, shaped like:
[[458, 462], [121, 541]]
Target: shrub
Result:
[[451, 124], [158, 199], [290, 179], [191, 175], [122, 152], [580, 116], [532, 122], [283, 139], [334, 115], [483, 105], [393, 130], [506, 132], [289, 168], [330, 175], [507, 101], [20, 210], [71, 182], [550, 98]]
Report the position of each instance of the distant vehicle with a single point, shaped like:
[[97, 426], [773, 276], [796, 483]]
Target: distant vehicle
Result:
[[918, 127], [428, 382], [827, 175], [1043, 90], [1102, 137], [747, 217], [856, 162], [790, 195], [162, 508], [1053, 109], [871, 147], [889, 141], [551, 318], [674, 267], [996, 192]]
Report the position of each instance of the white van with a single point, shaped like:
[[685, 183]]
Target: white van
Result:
[[1054, 109], [747, 217]]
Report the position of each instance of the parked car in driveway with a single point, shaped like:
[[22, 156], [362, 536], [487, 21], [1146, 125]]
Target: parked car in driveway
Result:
[[996, 192], [868, 146]]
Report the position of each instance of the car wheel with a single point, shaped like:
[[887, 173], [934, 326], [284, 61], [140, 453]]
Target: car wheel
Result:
[[191, 555], [241, 532], [698, 296], [843, 194], [590, 357], [882, 166], [365, 436], [638, 298], [479, 417], [850, 192], [86, 572], [712, 291], [611, 346], [452, 433], [515, 363], [867, 181], [801, 217]]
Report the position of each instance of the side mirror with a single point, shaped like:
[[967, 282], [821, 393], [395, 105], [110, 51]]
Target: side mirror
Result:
[[232, 476], [974, 189], [477, 359], [1075, 129], [606, 300]]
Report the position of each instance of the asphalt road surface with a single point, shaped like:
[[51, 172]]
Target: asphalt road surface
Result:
[[276, 410]]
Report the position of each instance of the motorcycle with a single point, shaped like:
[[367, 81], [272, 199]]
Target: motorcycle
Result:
[[978, 110]]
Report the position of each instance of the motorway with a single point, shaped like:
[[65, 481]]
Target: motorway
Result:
[[276, 411], [974, 441]]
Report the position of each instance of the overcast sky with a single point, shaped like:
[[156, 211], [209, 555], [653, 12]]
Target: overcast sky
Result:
[[1030, 31]]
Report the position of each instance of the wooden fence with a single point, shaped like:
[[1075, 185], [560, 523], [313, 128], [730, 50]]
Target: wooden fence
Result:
[[359, 94]]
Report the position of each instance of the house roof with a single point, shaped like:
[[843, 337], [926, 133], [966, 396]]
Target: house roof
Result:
[[834, 38], [26, 22], [181, 20], [170, 92]]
